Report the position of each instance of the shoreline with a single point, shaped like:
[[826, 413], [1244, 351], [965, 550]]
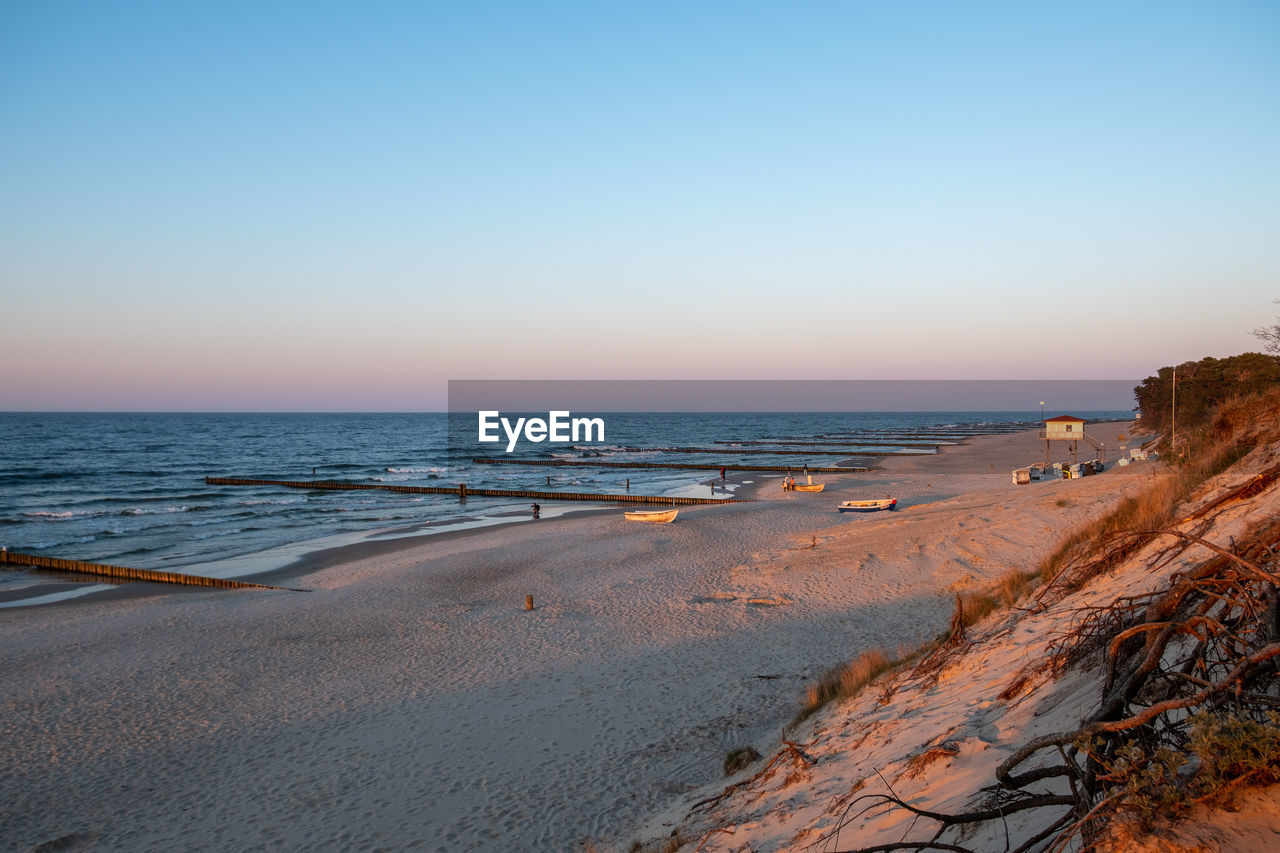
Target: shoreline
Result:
[[309, 555], [294, 560], [410, 697]]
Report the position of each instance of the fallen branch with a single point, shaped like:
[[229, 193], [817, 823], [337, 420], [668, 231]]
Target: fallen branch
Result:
[[1258, 572]]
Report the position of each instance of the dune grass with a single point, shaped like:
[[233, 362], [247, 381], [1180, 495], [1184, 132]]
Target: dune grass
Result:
[[849, 679]]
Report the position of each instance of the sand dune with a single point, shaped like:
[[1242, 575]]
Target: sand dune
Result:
[[934, 735]]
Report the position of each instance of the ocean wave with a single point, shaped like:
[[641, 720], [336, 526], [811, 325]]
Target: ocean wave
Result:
[[64, 515], [162, 511], [273, 501], [433, 469], [58, 543], [212, 534], [37, 476]]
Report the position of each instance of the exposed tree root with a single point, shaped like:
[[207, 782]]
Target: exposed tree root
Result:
[[1208, 642]]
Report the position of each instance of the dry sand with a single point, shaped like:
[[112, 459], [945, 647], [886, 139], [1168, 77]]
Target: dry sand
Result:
[[409, 700]]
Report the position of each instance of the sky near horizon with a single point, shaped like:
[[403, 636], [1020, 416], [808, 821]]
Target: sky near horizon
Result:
[[342, 206]]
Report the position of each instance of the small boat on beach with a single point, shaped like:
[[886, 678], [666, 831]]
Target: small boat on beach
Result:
[[868, 506], [809, 487], [657, 516]]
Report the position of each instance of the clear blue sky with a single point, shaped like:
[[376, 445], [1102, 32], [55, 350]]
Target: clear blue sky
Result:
[[333, 206]]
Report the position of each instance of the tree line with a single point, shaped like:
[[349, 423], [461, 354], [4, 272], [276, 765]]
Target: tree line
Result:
[[1201, 386]]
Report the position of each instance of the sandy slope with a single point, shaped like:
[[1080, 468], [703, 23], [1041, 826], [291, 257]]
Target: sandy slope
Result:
[[934, 739], [409, 701]]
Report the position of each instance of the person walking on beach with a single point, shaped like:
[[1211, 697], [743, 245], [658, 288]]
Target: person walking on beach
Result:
[[722, 473]]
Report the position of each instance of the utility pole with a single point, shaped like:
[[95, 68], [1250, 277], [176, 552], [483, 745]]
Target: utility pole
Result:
[[1174, 412]]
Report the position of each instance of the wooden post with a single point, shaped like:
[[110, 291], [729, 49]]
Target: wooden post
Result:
[[462, 491], [528, 602]]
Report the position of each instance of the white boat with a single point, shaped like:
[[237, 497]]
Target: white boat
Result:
[[868, 506], [657, 516]]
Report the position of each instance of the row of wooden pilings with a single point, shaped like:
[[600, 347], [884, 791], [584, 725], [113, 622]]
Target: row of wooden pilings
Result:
[[463, 492], [126, 573]]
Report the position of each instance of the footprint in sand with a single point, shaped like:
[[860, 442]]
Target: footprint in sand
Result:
[[752, 601], [775, 601], [715, 598]]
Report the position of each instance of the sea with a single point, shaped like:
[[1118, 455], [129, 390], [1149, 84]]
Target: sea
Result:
[[129, 488]]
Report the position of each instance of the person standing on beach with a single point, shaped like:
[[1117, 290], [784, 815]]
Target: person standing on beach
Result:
[[722, 473]]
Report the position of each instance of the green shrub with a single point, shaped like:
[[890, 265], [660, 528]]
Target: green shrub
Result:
[[740, 759], [1222, 752]]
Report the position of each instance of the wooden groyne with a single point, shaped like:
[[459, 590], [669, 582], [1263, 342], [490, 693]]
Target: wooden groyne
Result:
[[463, 491], [693, 466], [125, 573]]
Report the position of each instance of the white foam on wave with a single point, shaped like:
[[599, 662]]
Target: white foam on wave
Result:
[[434, 469], [162, 511]]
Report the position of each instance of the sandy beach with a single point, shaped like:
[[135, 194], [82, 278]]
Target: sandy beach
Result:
[[409, 701]]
